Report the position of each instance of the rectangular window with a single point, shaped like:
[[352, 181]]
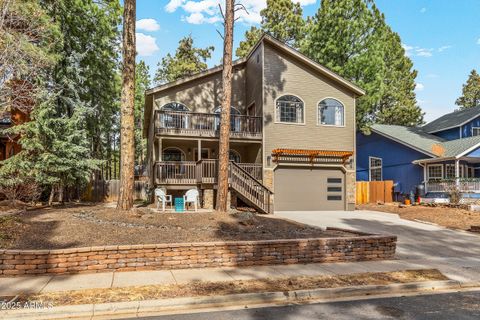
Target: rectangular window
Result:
[[334, 198], [475, 131], [376, 168], [435, 171], [450, 171]]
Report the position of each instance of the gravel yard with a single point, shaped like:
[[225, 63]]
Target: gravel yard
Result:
[[96, 225], [454, 218]]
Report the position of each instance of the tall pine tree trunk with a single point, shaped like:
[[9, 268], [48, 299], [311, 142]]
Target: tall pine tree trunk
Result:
[[127, 132], [223, 158]]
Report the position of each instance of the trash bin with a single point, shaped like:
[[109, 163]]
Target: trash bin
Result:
[[179, 204]]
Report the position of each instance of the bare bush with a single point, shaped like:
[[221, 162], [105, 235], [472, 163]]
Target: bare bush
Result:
[[20, 190]]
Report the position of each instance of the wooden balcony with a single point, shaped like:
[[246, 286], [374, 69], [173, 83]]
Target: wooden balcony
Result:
[[200, 172], [193, 124]]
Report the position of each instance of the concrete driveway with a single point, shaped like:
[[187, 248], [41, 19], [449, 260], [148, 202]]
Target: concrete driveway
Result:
[[426, 244]]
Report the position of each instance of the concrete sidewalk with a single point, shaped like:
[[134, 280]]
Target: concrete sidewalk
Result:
[[42, 284]]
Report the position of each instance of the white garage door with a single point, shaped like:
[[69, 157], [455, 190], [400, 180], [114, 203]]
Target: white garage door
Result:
[[309, 189]]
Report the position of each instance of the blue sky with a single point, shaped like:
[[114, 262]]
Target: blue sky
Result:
[[441, 36]]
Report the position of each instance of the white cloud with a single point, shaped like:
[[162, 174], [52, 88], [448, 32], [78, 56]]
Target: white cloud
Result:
[[423, 10], [418, 51], [199, 18], [443, 48], [207, 11], [478, 41], [419, 87], [146, 45], [173, 5], [147, 25]]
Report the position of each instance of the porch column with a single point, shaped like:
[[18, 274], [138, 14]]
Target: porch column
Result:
[[425, 179], [457, 172], [199, 149], [159, 156]]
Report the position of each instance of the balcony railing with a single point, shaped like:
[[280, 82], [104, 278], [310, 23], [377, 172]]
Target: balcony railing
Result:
[[206, 124], [191, 172], [464, 185]]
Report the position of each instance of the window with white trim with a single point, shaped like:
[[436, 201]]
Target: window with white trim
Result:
[[376, 168], [289, 109], [331, 112], [435, 171], [475, 131], [450, 171]]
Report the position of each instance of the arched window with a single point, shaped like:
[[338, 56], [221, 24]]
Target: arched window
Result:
[[175, 106], [173, 154], [289, 109], [172, 117], [331, 112], [233, 155], [234, 120]]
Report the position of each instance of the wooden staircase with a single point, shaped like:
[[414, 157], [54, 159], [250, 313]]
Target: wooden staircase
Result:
[[249, 189]]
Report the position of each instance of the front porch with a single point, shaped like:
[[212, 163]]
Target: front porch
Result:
[[451, 174]]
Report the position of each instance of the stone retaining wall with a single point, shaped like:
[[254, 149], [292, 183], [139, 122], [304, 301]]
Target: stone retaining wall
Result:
[[196, 255]]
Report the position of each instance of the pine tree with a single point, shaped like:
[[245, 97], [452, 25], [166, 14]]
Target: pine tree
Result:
[[282, 19], [187, 60], [28, 39], [142, 83], [127, 120], [224, 141], [55, 151], [352, 38], [398, 104], [471, 92]]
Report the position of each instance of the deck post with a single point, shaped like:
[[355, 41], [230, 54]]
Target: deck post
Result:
[[199, 149], [457, 173], [425, 180], [159, 157]]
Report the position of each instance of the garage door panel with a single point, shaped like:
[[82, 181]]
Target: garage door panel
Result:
[[309, 189]]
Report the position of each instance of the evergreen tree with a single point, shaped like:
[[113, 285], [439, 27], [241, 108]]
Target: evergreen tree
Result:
[[28, 39], [398, 104], [471, 92], [251, 38], [283, 19], [142, 83], [90, 32], [352, 38], [55, 150], [186, 61]]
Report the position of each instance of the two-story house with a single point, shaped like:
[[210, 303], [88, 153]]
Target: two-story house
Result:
[[292, 135], [438, 156]]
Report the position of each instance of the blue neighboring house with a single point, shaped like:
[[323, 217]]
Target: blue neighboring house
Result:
[[438, 155]]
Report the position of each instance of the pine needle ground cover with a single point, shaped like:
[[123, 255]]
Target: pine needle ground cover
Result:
[[198, 288], [98, 225]]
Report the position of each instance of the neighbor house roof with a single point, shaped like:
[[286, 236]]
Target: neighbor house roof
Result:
[[429, 144], [452, 120]]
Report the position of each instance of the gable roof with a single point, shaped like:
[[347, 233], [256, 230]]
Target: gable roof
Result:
[[452, 120], [276, 43], [429, 144]]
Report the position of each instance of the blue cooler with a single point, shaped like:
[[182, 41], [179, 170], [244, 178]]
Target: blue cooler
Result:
[[179, 204]]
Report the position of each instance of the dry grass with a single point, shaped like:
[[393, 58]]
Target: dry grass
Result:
[[193, 289], [454, 218]]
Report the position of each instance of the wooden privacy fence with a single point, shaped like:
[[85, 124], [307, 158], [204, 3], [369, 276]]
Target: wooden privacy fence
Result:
[[374, 191], [108, 190]]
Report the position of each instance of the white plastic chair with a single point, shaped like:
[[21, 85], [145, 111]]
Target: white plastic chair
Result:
[[161, 196], [191, 196]]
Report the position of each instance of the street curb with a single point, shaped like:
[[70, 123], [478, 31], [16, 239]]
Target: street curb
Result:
[[151, 307]]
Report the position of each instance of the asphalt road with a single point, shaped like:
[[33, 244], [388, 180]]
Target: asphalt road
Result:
[[449, 306]]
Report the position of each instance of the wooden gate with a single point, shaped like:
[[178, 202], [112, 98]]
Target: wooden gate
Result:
[[374, 191]]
